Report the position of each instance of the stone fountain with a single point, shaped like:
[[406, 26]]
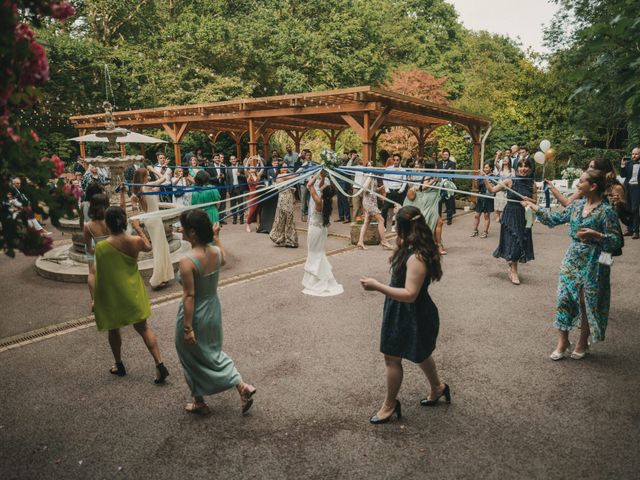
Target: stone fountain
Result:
[[68, 263]]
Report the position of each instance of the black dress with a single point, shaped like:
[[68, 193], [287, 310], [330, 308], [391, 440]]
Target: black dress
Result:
[[409, 330], [268, 213], [516, 243], [483, 205]]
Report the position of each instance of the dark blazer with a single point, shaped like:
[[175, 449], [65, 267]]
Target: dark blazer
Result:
[[626, 173], [242, 179], [633, 194]]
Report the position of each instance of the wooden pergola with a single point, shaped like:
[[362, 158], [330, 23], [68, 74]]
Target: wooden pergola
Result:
[[367, 110]]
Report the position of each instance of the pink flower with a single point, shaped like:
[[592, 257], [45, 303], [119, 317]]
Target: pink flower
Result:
[[35, 136], [14, 136]]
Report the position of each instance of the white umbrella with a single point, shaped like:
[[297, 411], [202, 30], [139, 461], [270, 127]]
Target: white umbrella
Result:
[[131, 137]]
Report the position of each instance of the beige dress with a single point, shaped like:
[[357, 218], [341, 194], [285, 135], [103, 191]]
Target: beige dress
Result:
[[162, 268]]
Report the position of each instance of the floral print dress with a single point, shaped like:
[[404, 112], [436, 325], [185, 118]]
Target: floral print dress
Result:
[[580, 269]]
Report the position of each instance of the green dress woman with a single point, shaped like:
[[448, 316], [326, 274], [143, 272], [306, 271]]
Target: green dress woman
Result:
[[207, 369]]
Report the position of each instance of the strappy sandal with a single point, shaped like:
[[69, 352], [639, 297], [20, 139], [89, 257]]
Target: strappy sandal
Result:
[[386, 246], [164, 373], [474, 234], [484, 234], [197, 408], [246, 399], [118, 369], [360, 246], [441, 250]]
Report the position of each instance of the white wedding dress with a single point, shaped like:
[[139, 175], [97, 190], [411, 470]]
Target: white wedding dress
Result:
[[162, 267], [318, 279]]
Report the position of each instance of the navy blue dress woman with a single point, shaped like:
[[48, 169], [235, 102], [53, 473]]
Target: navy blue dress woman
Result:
[[516, 243]]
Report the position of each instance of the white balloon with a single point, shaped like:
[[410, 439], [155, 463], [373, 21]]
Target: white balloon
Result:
[[539, 158], [545, 145]]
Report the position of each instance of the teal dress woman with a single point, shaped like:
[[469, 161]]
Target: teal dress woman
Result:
[[580, 269], [584, 291], [207, 369]]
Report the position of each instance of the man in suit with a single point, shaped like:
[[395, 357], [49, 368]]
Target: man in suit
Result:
[[236, 183], [273, 170], [630, 171], [450, 203], [523, 154]]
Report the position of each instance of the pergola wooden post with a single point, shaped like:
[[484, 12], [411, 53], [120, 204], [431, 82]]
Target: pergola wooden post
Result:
[[421, 134], [123, 150], [332, 135], [266, 136], [237, 138], [296, 136], [367, 130], [474, 131], [176, 132], [83, 150]]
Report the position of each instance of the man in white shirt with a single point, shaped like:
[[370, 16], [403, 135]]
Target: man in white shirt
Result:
[[164, 172], [394, 187], [236, 185]]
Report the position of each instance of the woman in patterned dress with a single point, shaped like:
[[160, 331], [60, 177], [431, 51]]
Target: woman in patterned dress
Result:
[[371, 211], [283, 233], [584, 291]]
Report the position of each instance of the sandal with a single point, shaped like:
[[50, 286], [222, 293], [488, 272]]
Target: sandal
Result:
[[245, 397], [164, 373], [197, 408], [484, 234], [474, 234], [118, 369], [386, 246], [360, 246], [441, 249]]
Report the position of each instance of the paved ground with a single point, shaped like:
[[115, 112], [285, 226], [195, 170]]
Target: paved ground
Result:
[[315, 362]]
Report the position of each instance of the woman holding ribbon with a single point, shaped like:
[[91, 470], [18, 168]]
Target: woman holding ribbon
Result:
[[318, 278], [207, 369], [516, 243], [584, 291], [145, 199], [410, 320], [120, 298], [371, 211]]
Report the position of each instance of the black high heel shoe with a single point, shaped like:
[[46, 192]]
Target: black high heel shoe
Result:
[[118, 369], [425, 402], [164, 373], [397, 411]]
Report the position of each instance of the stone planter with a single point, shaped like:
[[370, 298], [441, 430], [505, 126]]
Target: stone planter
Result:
[[371, 236]]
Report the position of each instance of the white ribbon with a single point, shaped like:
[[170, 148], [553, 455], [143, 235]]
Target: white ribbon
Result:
[[171, 212]]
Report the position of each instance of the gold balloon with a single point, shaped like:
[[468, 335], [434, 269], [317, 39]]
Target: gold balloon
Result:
[[550, 154], [411, 194]]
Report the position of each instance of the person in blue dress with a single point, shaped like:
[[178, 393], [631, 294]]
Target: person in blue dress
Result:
[[207, 369], [584, 291], [516, 242], [410, 320]]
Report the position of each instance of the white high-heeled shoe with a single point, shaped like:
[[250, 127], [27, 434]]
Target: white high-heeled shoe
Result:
[[556, 355], [580, 355]]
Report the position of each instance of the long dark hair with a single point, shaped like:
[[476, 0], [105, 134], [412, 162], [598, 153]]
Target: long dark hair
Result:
[[97, 206], [327, 194], [198, 221], [116, 219], [415, 238]]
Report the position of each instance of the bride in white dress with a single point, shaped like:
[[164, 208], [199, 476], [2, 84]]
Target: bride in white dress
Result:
[[318, 279], [162, 267]]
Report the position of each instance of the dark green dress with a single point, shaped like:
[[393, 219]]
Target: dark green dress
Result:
[[207, 369], [207, 196]]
